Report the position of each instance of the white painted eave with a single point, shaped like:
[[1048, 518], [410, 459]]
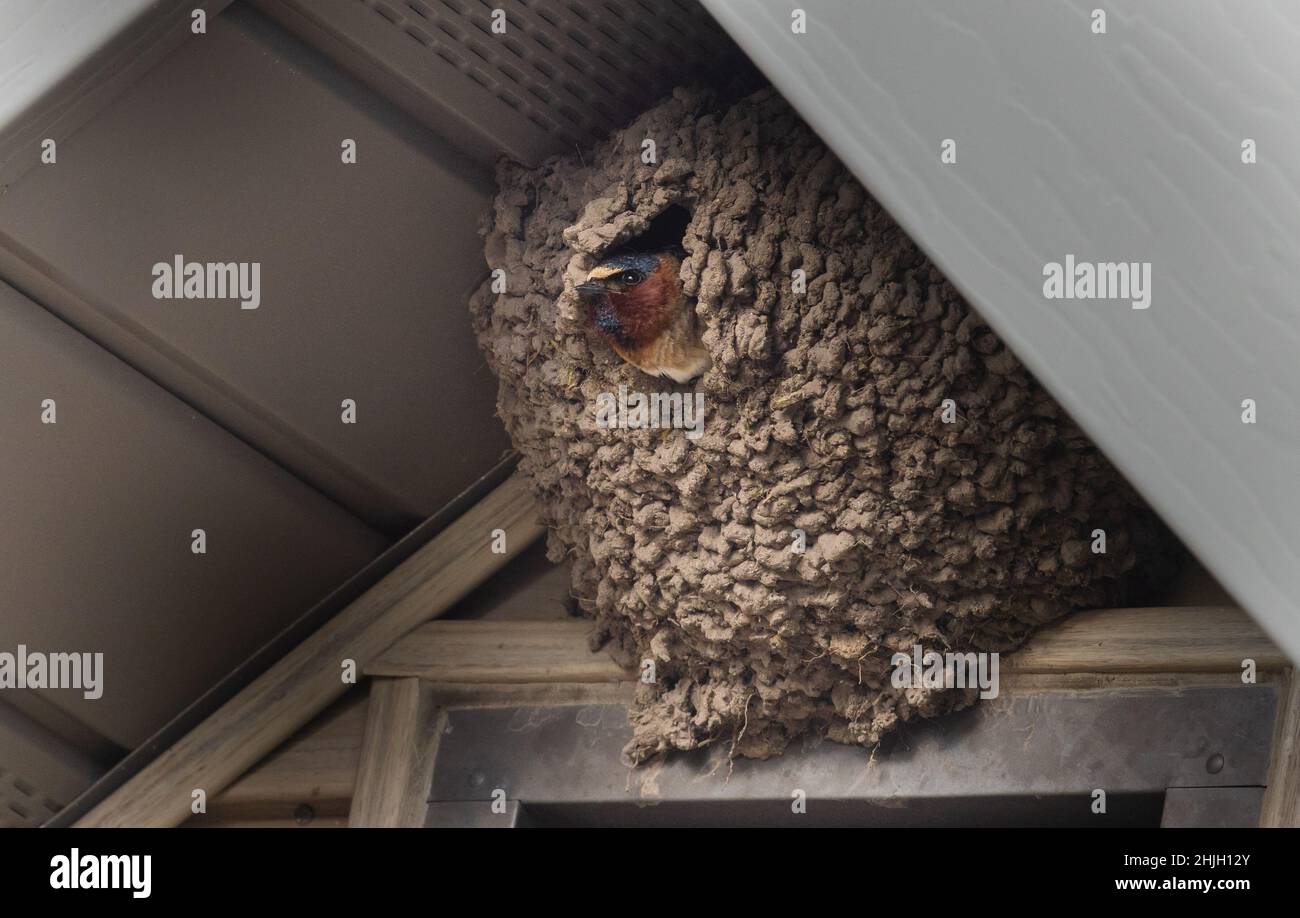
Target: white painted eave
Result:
[[1117, 147]]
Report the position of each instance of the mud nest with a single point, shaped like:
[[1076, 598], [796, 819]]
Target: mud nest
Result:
[[825, 412]]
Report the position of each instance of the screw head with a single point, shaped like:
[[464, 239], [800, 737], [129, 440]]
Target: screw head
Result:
[[304, 813], [1214, 764]]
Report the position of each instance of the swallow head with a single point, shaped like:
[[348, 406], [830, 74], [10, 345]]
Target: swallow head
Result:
[[637, 303], [624, 292], [618, 276]]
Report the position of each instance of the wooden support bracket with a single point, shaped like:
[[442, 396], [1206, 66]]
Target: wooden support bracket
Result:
[[397, 753]]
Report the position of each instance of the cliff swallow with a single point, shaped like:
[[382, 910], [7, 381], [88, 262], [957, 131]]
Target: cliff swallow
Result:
[[636, 303]]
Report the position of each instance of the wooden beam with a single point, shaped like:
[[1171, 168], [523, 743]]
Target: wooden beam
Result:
[[319, 822], [316, 767], [1168, 639], [504, 662], [307, 679], [1189, 639], [499, 652], [392, 789], [1281, 806]]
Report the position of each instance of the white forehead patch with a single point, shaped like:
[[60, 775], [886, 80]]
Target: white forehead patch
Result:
[[603, 271]]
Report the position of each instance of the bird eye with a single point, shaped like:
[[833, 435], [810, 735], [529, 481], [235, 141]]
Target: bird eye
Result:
[[631, 277]]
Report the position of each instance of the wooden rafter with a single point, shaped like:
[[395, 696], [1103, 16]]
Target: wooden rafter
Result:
[[308, 678]]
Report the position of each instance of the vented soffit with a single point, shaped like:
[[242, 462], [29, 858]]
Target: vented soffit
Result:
[[560, 76]]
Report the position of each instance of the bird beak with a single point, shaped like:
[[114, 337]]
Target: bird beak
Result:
[[590, 290]]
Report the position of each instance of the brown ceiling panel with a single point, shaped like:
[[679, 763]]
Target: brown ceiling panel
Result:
[[230, 150], [99, 510], [40, 773]]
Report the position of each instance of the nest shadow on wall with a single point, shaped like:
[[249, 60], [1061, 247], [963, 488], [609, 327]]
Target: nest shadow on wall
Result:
[[953, 530]]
